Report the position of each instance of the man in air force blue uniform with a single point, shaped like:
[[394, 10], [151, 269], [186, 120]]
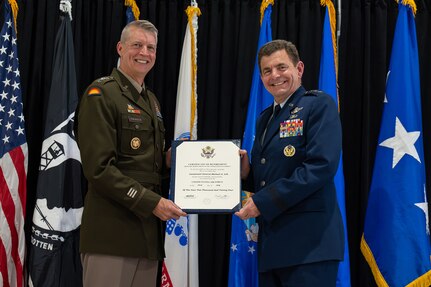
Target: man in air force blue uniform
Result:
[[294, 159]]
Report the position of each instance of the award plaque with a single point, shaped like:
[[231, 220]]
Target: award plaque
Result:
[[205, 176]]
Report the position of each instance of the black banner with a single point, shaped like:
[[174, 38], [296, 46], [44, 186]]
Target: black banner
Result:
[[54, 250]]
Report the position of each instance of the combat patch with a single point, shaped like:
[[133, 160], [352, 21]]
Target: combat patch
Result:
[[94, 92]]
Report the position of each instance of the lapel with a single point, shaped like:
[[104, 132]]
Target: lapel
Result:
[[155, 109], [261, 124], [274, 129], [130, 92]]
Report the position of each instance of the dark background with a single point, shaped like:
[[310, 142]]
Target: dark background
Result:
[[227, 40]]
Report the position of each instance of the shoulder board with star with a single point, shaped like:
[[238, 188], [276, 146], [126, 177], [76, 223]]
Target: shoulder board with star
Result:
[[95, 88], [314, 93], [104, 80]]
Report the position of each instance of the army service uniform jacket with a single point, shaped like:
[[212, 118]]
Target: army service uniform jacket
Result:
[[121, 138], [292, 173]]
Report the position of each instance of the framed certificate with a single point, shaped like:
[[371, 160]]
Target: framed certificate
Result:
[[205, 176]]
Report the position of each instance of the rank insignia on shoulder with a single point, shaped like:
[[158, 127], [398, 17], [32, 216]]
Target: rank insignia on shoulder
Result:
[[132, 109], [289, 151], [105, 79], [94, 92], [314, 92]]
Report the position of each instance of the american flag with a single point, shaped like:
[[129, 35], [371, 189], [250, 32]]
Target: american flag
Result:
[[13, 160]]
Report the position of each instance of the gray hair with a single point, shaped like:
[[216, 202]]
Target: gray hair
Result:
[[140, 24]]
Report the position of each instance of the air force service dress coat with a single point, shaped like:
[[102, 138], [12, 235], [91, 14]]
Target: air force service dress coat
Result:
[[121, 138], [293, 171]]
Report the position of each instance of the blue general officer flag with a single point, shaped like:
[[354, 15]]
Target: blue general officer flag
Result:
[[328, 83], [243, 251], [396, 242]]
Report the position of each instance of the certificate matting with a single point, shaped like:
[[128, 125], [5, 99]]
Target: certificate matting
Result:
[[205, 176]]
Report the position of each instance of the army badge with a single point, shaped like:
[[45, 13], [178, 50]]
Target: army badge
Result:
[[289, 151], [135, 143]]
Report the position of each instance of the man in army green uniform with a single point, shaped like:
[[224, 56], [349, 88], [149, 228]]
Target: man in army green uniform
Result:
[[120, 134]]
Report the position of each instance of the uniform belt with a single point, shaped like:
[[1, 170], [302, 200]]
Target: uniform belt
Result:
[[143, 177]]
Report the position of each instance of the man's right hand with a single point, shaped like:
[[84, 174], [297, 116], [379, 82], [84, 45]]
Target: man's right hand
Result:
[[166, 209]]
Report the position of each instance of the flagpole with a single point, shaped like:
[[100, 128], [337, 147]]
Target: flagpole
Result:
[[243, 248]]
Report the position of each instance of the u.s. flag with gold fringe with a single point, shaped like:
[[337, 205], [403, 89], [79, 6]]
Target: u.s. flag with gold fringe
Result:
[[13, 157]]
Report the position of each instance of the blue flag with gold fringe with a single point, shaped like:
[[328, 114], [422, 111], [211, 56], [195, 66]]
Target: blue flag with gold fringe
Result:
[[395, 241], [328, 84], [243, 249]]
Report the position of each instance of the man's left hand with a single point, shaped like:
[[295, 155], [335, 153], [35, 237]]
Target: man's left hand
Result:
[[249, 210]]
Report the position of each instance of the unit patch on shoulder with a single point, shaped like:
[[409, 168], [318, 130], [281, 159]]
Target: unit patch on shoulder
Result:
[[94, 92]]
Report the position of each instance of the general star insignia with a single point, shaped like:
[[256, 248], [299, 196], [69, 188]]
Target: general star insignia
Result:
[[402, 143]]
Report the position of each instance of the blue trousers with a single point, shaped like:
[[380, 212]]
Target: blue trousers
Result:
[[322, 274]]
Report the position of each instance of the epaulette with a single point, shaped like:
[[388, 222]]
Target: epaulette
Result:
[[104, 80], [314, 93]]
